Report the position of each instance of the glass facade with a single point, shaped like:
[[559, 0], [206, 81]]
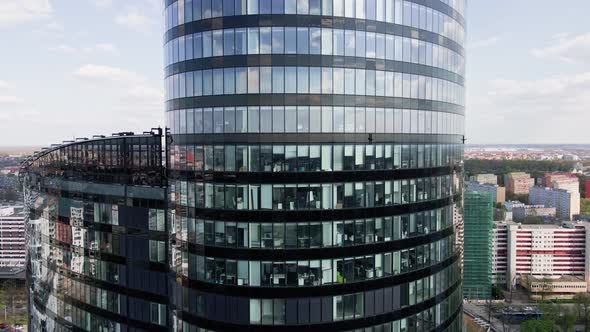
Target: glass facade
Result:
[[316, 153], [97, 236], [479, 221]]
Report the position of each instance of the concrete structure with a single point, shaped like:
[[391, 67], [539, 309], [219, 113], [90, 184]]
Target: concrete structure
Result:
[[484, 178], [567, 204], [547, 251], [498, 193], [518, 183], [553, 287], [521, 212], [12, 236]]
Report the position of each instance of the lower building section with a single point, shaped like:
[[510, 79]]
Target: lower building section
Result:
[[317, 235]]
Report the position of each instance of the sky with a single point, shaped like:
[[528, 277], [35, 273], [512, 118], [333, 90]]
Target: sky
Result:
[[76, 68]]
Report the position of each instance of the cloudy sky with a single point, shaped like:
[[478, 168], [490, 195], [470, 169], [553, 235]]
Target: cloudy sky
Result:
[[77, 68]]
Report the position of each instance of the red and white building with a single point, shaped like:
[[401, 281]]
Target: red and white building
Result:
[[542, 251], [12, 236]]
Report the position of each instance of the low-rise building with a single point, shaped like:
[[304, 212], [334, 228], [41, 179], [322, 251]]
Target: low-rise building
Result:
[[484, 178], [566, 203], [498, 193], [553, 287], [520, 213]]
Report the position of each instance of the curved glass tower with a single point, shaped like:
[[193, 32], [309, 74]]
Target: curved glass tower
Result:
[[96, 236], [316, 152]]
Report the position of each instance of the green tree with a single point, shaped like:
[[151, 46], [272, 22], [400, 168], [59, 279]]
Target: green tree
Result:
[[567, 320], [585, 206], [550, 311], [533, 220], [537, 326], [582, 301]]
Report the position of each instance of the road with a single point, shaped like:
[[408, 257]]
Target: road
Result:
[[481, 311]]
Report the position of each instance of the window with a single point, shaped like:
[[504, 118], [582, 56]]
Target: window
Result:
[[158, 313]]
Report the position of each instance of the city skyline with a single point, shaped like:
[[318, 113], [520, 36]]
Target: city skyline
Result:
[[71, 74]]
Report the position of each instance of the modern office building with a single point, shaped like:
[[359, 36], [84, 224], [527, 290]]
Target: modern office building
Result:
[[566, 203], [518, 183], [484, 178], [314, 145], [478, 225], [12, 236], [97, 237], [498, 193]]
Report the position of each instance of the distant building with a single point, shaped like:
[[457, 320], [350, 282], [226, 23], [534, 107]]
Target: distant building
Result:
[[478, 225], [518, 183], [566, 203], [570, 157], [555, 255], [12, 236], [498, 193], [566, 181], [521, 212], [484, 178], [510, 205]]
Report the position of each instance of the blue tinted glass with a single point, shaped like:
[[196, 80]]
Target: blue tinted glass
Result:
[[265, 7], [278, 6]]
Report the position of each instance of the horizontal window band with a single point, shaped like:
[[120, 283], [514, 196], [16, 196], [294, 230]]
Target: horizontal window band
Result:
[[325, 290], [296, 99], [106, 198], [136, 293], [119, 318], [314, 138], [301, 60], [314, 253], [103, 256], [309, 177], [344, 325], [317, 21], [269, 216]]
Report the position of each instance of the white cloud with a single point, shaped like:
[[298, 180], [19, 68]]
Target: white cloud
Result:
[[10, 100], [491, 41], [131, 89], [554, 109], [66, 49], [19, 11], [98, 48], [3, 84], [135, 20], [574, 49], [106, 73], [105, 47], [54, 26], [102, 3]]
